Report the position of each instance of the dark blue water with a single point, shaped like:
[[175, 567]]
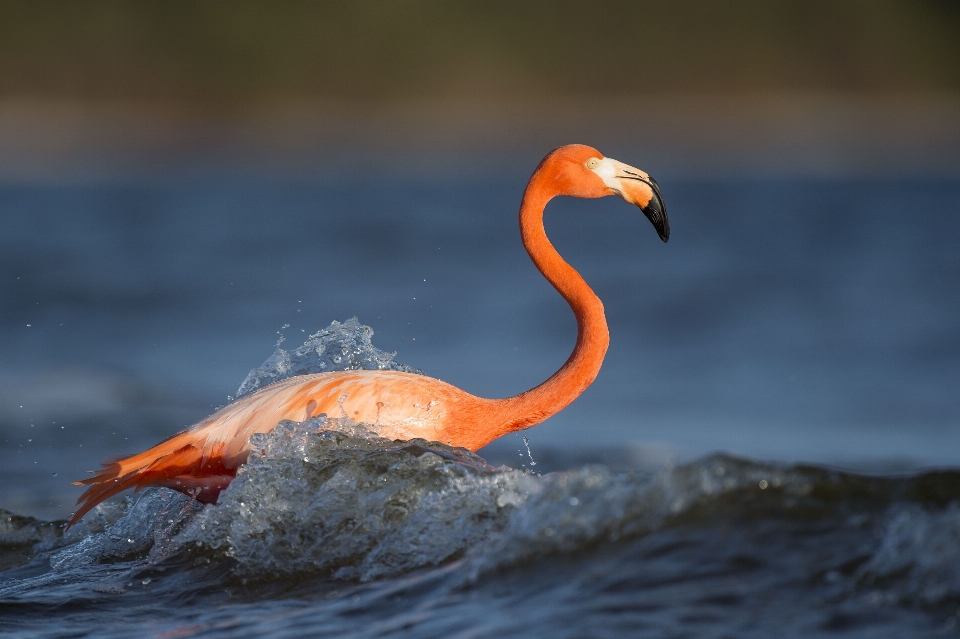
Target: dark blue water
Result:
[[339, 534], [786, 321]]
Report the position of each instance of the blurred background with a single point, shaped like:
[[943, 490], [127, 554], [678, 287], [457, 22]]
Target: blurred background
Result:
[[183, 183]]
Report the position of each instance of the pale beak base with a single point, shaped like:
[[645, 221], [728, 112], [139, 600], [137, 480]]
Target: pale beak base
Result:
[[636, 187]]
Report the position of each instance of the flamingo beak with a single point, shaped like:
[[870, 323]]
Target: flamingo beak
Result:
[[636, 187]]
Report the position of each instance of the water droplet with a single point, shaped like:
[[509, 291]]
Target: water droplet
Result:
[[526, 442], [763, 484], [574, 501]]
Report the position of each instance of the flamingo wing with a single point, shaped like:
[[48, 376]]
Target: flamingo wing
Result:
[[203, 459]]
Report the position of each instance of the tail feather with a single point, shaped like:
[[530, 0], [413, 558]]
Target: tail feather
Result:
[[182, 454]]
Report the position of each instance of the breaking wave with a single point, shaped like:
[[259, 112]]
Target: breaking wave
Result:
[[327, 498]]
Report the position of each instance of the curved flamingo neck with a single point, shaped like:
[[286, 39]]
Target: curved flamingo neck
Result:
[[581, 368]]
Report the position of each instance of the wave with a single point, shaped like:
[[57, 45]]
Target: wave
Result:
[[327, 498]]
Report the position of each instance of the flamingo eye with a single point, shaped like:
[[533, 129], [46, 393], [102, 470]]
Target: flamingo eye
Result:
[[592, 163]]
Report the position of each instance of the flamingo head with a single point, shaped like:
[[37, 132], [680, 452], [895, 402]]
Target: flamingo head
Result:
[[582, 171]]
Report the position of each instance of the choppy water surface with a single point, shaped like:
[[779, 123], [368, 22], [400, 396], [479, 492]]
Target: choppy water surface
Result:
[[332, 531]]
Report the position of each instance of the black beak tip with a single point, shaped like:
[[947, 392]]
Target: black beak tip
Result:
[[657, 214]]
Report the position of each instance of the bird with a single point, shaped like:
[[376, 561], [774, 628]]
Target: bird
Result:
[[202, 460]]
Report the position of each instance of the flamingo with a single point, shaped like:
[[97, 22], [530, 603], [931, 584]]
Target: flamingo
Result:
[[202, 460]]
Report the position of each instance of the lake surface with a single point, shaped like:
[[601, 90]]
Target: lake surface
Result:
[[786, 321]]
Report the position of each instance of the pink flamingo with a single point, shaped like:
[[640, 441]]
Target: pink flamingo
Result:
[[203, 459]]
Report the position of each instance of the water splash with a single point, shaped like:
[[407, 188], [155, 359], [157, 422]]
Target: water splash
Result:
[[918, 559], [345, 346], [327, 496], [526, 442]]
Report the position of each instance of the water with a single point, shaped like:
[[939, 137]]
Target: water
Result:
[[800, 326], [332, 530], [338, 533], [346, 346]]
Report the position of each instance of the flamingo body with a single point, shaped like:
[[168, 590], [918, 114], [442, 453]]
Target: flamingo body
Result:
[[203, 459]]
